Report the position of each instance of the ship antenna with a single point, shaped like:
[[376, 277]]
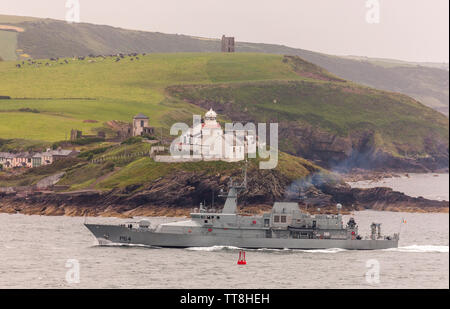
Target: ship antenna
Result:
[[339, 207], [245, 173]]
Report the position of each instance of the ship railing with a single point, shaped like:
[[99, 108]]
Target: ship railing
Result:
[[207, 210]]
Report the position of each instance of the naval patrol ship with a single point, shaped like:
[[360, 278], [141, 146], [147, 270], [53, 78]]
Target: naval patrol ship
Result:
[[286, 226]]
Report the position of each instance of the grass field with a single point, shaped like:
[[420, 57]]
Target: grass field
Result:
[[45, 38], [141, 171], [63, 96], [8, 45], [107, 90]]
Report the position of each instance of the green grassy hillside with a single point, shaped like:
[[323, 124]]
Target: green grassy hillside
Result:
[[45, 38], [338, 109], [135, 173], [67, 94], [48, 101]]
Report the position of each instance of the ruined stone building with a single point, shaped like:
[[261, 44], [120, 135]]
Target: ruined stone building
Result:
[[227, 44], [123, 131], [77, 134], [140, 125]]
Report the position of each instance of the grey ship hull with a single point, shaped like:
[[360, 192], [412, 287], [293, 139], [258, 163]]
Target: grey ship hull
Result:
[[124, 235]]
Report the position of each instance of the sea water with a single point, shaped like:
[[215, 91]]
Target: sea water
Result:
[[44, 252]]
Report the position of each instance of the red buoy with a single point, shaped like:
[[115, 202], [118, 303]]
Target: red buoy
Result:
[[241, 260]]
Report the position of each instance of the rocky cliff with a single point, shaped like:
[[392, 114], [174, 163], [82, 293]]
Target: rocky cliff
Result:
[[179, 193]]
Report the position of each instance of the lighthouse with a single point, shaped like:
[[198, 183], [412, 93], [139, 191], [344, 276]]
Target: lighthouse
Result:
[[211, 120]]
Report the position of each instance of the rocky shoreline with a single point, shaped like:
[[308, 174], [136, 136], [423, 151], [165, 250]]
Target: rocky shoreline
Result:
[[356, 175], [178, 195]]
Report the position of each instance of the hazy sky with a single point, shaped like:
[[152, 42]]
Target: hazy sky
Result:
[[414, 30]]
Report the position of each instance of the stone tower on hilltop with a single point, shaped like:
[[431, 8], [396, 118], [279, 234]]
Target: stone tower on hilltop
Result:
[[227, 44]]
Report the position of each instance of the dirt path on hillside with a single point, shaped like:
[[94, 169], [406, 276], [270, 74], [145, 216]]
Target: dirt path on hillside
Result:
[[101, 178]]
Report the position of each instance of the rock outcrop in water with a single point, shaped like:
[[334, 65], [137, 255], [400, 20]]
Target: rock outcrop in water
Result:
[[382, 198]]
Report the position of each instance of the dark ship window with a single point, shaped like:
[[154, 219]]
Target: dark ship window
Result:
[[206, 221], [218, 217], [283, 219], [276, 219]]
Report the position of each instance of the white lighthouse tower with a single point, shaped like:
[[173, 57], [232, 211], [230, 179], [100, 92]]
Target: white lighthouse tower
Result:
[[211, 135], [211, 120]]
